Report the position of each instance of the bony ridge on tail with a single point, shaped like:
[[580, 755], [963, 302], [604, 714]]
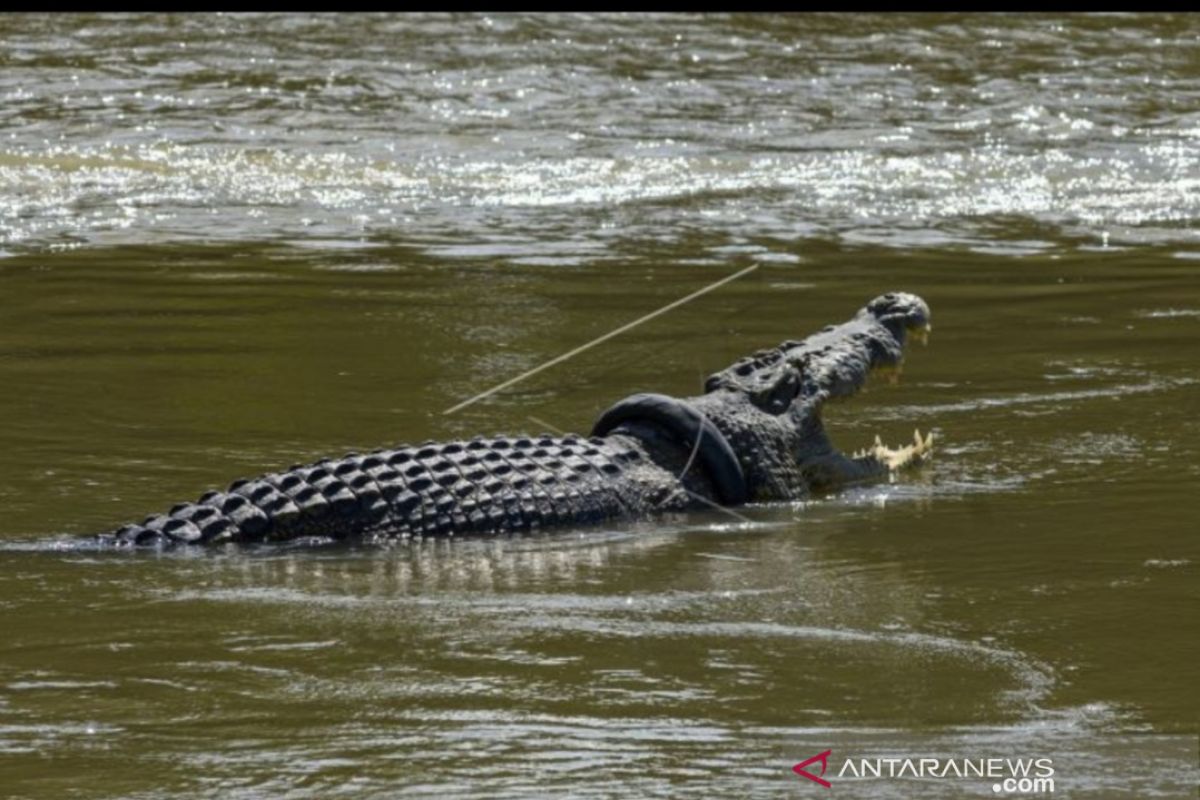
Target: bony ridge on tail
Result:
[[754, 435]]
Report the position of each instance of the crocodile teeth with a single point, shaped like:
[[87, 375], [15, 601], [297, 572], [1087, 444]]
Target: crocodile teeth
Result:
[[896, 458]]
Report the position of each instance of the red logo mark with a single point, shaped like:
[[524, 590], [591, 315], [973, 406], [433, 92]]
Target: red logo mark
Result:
[[799, 769]]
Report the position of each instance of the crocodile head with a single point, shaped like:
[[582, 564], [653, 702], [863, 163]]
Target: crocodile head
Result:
[[769, 405], [757, 428]]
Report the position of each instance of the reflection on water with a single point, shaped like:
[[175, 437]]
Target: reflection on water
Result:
[[991, 588], [229, 244]]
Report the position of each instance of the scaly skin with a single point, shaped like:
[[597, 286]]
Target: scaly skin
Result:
[[763, 441]]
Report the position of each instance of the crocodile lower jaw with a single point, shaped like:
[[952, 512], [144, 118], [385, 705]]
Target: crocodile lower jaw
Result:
[[899, 457]]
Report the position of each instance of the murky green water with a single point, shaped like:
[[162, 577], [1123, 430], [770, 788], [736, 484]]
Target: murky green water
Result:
[[231, 244]]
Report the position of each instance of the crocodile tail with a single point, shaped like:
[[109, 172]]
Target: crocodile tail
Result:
[[327, 498]]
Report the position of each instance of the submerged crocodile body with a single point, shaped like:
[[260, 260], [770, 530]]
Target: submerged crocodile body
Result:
[[755, 435]]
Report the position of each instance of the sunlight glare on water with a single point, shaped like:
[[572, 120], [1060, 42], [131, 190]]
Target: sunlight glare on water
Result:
[[898, 131]]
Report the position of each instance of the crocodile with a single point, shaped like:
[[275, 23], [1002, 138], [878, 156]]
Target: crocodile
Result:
[[755, 435]]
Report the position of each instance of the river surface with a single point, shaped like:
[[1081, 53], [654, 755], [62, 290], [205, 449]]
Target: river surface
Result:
[[228, 244]]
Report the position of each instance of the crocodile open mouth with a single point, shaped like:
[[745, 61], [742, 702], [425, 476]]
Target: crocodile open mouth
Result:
[[895, 458], [838, 364]]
